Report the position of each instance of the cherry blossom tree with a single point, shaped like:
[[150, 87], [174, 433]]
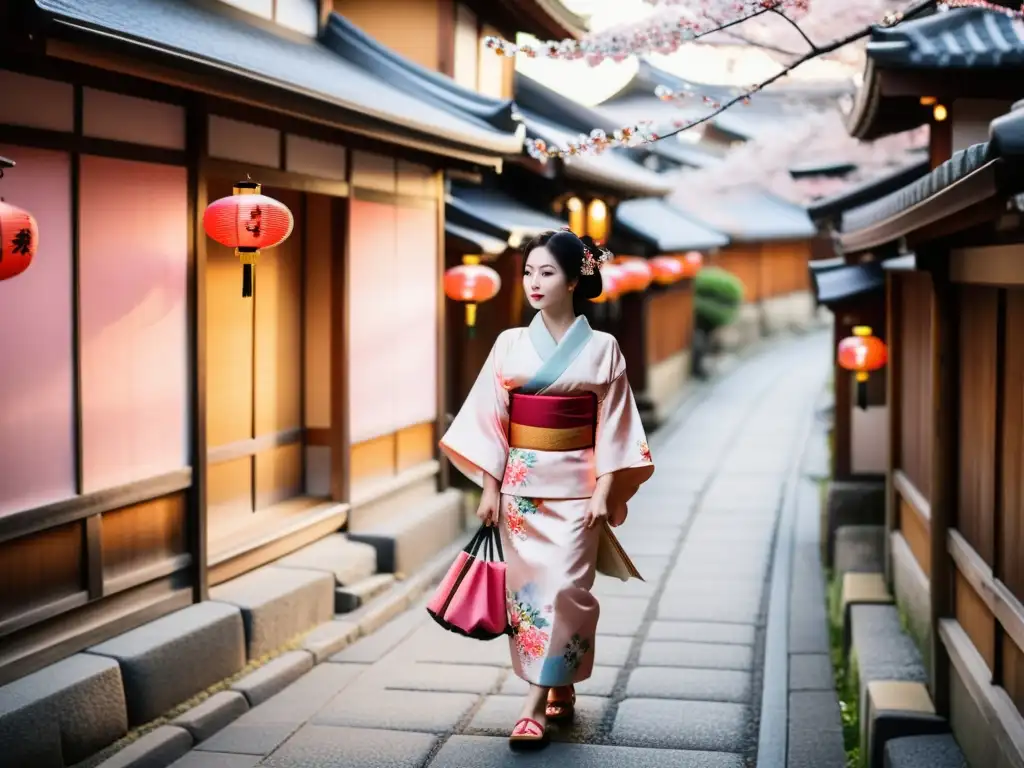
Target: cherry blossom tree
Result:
[[810, 24], [766, 162]]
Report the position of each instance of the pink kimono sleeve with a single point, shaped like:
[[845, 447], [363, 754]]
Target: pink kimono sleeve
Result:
[[477, 440], [621, 443]]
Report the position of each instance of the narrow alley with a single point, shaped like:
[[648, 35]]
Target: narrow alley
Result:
[[681, 657]]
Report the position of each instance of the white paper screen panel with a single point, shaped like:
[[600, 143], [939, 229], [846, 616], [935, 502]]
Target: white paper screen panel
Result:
[[316, 158], [36, 102], [244, 142], [119, 117]]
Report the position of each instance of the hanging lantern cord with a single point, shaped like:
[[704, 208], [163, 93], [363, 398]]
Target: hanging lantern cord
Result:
[[862, 390]]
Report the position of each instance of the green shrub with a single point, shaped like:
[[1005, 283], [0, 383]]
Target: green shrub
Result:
[[713, 314], [717, 283], [717, 298]]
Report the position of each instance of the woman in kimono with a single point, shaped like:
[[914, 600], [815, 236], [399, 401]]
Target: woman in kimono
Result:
[[551, 432]]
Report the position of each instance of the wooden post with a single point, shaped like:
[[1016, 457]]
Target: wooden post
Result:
[[341, 257], [945, 410], [893, 320], [441, 420], [843, 384], [196, 136]]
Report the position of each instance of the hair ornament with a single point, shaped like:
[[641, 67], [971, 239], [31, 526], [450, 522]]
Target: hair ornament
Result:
[[592, 260]]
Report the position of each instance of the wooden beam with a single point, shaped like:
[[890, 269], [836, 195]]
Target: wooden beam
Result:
[[997, 709], [909, 493], [992, 265], [1007, 609], [25, 522]]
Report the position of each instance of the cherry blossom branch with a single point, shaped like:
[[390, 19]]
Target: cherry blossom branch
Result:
[[781, 14], [739, 38], [643, 133], [664, 37]]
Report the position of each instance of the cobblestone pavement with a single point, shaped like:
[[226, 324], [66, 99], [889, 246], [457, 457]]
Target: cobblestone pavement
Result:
[[678, 681]]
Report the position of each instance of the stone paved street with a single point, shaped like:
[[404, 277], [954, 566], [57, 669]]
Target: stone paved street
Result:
[[680, 657]]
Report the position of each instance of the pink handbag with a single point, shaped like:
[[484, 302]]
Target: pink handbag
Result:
[[470, 600]]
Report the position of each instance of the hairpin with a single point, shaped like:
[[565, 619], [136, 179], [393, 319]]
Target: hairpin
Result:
[[592, 262]]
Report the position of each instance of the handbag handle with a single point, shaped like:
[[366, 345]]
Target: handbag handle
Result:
[[489, 539]]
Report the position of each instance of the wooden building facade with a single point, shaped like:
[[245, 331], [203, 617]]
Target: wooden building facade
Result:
[[162, 434], [954, 249]]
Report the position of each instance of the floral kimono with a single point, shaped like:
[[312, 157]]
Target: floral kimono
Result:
[[548, 419]]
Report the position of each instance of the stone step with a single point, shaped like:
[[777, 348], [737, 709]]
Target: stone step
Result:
[[63, 713], [349, 561], [851, 503], [895, 709], [278, 604], [348, 599], [940, 751], [167, 661], [405, 542], [859, 549]]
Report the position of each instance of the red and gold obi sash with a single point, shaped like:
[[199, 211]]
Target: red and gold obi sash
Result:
[[552, 422]]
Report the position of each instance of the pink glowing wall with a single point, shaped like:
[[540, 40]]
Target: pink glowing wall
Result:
[[416, 285], [393, 318], [37, 462], [133, 241]]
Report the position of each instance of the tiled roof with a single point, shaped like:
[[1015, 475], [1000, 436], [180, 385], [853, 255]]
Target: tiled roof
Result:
[[963, 37], [868, 191], [833, 285], [486, 244], [957, 167], [490, 210], [751, 214], [666, 228], [225, 42], [352, 44], [1005, 144]]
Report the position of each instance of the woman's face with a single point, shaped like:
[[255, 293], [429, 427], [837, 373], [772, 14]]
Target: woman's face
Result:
[[544, 281]]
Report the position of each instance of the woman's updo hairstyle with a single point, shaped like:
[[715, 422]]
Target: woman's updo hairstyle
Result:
[[571, 252]]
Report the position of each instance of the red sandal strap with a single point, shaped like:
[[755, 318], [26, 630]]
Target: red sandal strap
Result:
[[523, 724]]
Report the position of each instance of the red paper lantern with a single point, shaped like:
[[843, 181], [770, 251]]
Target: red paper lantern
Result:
[[692, 262], [248, 222], [19, 238], [862, 353], [613, 277], [666, 270], [638, 274], [472, 283]]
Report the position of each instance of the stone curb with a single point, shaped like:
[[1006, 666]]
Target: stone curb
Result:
[[217, 712], [274, 676], [157, 749], [773, 722], [325, 640]]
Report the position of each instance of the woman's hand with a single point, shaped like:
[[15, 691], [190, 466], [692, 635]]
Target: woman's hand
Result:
[[490, 502], [597, 511], [597, 507]]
